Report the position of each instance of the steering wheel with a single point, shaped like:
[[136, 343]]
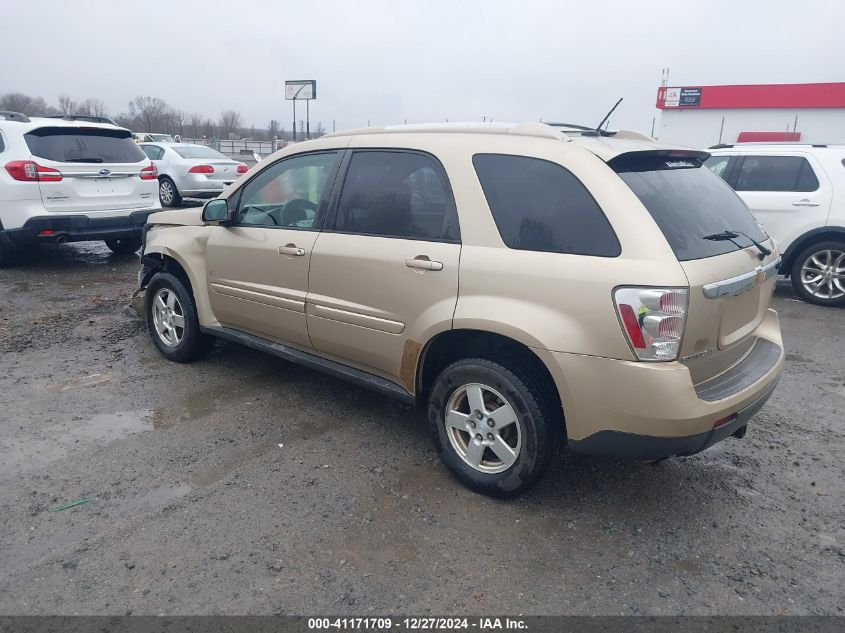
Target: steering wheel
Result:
[[253, 207], [296, 211]]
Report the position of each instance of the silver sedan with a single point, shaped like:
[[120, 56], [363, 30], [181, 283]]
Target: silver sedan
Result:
[[186, 170]]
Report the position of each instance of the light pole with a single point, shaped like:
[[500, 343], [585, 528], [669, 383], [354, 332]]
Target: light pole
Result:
[[296, 94]]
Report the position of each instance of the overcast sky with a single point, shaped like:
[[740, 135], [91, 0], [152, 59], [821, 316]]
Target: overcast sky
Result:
[[420, 60]]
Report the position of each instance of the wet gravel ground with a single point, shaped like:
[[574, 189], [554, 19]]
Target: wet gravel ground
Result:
[[244, 484]]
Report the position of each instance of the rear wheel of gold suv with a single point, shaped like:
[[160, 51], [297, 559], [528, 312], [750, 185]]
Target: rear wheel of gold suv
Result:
[[494, 425]]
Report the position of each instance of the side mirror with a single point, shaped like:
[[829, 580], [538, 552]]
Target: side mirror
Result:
[[217, 212]]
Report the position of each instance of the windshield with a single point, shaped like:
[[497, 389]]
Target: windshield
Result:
[[688, 202], [199, 151], [84, 145], [161, 138]]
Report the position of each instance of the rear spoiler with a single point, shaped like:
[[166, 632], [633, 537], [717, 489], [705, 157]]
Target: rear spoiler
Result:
[[654, 159], [82, 117]]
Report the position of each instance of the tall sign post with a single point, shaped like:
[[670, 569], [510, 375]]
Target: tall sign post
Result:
[[301, 90]]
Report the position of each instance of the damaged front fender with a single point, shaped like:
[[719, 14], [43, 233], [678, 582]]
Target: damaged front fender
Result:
[[149, 266]]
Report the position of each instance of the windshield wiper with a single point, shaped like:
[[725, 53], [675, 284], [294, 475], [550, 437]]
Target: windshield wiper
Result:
[[83, 160], [729, 235]]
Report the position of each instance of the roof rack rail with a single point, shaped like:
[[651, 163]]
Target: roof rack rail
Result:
[[766, 144], [20, 117], [82, 117], [574, 126], [530, 128], [584, 129]]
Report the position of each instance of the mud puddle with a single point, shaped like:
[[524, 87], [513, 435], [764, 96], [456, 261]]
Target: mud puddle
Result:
[[57, 441]]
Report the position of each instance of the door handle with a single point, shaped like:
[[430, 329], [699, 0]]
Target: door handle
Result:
[[291, 249], [805, 203], [422, 262]]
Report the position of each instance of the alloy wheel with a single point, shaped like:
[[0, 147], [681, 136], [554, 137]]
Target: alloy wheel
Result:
[[482, 428], [165, 192], [168, 317], [823, 274]]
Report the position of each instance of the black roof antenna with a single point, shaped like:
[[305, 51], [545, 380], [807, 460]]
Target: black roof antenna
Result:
[[598, 131]]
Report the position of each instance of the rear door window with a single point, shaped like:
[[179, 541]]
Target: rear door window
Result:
[[541, 206], [776, 173], [688, 202], [84, 145], [398, 194]]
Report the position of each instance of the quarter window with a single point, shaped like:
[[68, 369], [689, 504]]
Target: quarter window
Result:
[[718, 164], [776, 173], [540, 206], [153, 152], [397, 194], [288, 193]]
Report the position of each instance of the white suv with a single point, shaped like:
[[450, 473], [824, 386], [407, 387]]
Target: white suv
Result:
[[798, 193], [72, 179]]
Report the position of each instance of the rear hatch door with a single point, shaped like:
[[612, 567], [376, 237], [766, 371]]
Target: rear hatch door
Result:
[[712, 233], [100, 169]]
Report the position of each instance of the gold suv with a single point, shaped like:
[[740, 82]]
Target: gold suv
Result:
[[530, 285]]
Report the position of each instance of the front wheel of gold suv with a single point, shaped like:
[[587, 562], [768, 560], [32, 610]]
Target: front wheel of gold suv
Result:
[[172, 320], [494, 426]]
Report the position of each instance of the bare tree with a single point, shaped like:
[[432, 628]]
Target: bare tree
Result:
[[19, 102], [195, 123], [151, 112], [126, 120], [209, 128], [66, 104], [92, 107], [177, 118], [230, 122]]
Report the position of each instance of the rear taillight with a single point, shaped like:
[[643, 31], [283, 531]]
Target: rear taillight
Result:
[[201, 169], [242, 169], [30, 171], [149, 172], [653, 320]]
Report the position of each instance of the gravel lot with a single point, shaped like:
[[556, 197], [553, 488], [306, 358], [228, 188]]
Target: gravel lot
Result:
[[244, 484]]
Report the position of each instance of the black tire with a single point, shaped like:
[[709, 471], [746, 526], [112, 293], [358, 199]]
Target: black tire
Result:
[[7, 252], [174, 199], [540, 422], [797, 277], [193, 344], [124, 245]]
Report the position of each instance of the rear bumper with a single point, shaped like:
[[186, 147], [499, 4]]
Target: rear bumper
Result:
[[621, 444], [654, 410], [79, 228], [201, 194], [198, 186]]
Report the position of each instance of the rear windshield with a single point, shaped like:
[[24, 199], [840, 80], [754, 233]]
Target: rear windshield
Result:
[[84, 145], [688, 202], [200, 151]]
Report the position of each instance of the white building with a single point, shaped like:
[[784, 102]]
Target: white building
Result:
[[701, 116]]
